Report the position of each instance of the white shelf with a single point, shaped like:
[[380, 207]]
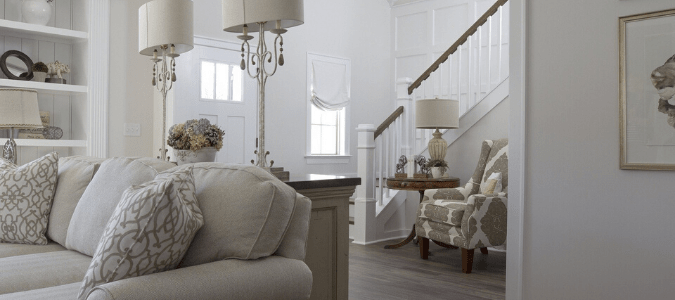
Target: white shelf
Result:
[[41, 32], [51, 88], [47, 143]]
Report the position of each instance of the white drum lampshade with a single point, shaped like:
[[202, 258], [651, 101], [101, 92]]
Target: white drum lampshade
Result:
[[437, 114], [165, 22], [237, 13], [19, 108]]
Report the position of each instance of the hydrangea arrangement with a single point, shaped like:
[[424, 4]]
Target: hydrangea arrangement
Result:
[[194, 135]]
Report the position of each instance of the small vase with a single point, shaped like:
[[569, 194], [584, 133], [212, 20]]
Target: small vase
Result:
[[207, 154], [39, 76], [36, 11], [436, 172]]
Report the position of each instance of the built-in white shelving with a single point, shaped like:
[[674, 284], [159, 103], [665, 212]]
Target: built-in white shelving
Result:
[[51, 88], [42, 32], [47, 143]]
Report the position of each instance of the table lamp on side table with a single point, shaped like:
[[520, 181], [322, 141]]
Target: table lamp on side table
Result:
[[18, 109], [437, 114]]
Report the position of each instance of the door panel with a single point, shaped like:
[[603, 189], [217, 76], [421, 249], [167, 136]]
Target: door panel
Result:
[[236, 116]]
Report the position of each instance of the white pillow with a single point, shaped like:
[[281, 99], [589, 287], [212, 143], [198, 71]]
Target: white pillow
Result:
[[492, 185]]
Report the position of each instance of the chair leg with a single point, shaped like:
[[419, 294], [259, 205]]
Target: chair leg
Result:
[[424, 247], [484, 250], [467, 260]]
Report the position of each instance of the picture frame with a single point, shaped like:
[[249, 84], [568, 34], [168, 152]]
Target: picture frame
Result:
[[647, 91]]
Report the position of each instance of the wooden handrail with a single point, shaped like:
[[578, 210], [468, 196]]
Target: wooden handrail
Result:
[[388, 121], [491, 11]]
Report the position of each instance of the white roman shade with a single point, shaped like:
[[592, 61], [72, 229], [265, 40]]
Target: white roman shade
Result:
[[330, 85]]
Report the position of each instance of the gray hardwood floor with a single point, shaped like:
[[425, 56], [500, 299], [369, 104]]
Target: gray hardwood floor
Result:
[[378, 273]]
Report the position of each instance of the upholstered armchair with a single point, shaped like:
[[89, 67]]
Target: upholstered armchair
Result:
[[465, 217]]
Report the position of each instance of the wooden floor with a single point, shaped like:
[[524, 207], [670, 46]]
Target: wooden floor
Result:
[[378, 273]]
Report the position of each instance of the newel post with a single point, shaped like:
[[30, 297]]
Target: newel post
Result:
[[364, 204]]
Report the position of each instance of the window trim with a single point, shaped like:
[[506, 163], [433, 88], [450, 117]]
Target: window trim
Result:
[[345, 156]]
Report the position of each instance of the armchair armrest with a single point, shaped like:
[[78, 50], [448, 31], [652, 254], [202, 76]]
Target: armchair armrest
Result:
[[484, 221], [458, 194], [273, 277]]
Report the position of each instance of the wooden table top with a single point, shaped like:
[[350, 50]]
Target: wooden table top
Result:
[[418, 184]]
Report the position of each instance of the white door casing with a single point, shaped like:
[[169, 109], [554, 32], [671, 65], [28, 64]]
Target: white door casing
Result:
[[236, 118]]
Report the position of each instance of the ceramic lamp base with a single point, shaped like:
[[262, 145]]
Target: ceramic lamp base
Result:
[[437, 146]]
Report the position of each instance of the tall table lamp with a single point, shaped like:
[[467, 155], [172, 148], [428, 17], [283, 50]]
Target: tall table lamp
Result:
[[18, 109], [244, 16], [165, 29], [437, 114]]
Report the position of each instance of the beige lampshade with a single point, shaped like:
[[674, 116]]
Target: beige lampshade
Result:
[[437, 113], [165, 22], [19, 108], [236, 13]]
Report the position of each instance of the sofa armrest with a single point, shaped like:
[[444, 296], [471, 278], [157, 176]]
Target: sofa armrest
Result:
[[484, 221], [273, 277], [458, 194]]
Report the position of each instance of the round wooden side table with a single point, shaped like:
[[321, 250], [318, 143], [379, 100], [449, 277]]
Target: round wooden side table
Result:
[[420, 185]]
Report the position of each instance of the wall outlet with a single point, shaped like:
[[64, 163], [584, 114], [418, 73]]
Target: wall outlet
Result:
[[132, 129]]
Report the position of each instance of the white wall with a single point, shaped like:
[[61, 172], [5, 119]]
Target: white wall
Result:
[[354, 29], [592, 231], [462, 155]]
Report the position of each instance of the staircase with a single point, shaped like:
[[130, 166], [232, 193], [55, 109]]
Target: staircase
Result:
[[472, 76]]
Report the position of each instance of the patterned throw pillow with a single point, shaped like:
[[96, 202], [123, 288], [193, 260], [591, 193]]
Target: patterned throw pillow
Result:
[[149, 232], [26, 195], [492, 185]]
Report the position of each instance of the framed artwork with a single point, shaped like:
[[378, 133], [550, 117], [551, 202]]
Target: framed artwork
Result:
[[647, 91]]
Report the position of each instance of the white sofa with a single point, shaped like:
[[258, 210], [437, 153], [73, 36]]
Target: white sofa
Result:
[[252, 244]]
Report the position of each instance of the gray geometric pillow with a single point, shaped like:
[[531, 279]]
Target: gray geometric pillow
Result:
[[149, 232], [26, 195]]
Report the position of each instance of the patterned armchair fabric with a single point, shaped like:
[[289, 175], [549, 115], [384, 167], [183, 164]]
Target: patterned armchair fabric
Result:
[[461, 216]]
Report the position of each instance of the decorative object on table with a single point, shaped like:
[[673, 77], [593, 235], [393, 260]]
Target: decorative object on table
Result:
[[40, 71], [647, 100], [437, 114], [56, 71], [195, 141], [37, 11], [52, 133], [37, 133], [421, 170], [437, 167], [400, 167], [16, 65], [275, 16], [18, 109], [165, 29]]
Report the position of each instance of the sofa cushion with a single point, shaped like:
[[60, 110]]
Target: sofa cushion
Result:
[[60, 292], [102, 196], [75, 173], [442, 211], [246, 212], [149, 232], [26, 195], [35, 271], [9, 250]]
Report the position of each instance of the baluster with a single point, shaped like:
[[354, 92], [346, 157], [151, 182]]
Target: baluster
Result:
[[379, 168], [501, 32], [459, 78], [489, 54], [478, 61], [387, 150], [469, 102]]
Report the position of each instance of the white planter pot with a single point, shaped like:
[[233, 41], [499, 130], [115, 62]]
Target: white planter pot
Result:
[[189, 157], [36, 11], [436, 172], [39, 76]]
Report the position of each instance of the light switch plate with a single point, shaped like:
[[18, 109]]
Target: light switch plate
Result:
[[132, 129]]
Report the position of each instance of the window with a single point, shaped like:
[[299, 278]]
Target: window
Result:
[[220, 81], [328, 82]]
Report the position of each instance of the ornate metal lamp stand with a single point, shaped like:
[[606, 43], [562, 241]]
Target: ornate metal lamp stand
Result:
[[163, 77]]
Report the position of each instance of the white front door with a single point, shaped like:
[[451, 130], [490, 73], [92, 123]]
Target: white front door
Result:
[[211, 85]]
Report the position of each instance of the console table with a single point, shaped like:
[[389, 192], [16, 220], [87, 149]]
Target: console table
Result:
[[328, 240]]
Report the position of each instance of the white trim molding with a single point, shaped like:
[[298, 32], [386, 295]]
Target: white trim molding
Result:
[[517, 148], [99, 77]]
